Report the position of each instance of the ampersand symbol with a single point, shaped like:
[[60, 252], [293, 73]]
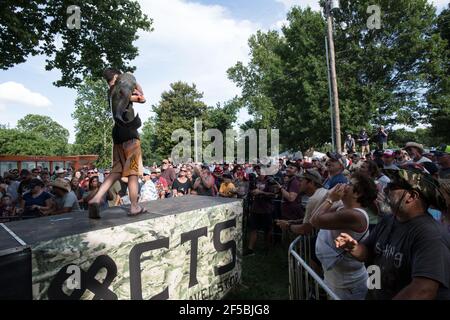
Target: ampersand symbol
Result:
[[88, 281]]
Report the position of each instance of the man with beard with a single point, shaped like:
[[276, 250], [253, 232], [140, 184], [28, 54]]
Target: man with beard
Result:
[[411, 249], [290, 206]]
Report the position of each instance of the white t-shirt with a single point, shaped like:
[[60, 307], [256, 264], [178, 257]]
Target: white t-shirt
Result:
[[422, 160], [314, 202], [148, 192]]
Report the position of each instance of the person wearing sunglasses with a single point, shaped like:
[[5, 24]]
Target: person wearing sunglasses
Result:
[[335, 166], [411, 249], [182, 185], [344, 275]]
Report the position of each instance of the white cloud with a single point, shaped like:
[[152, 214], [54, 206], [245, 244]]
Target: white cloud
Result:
[[314, 4], [194, 43], [16, 93], [440, 4]]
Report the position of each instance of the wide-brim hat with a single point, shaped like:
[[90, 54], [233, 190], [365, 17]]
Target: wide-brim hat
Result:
[[61, 184], [414, 145]]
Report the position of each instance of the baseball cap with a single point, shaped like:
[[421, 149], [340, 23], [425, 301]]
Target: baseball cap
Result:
[[295, 164], [388, 153], [312, 175], [423, 183], [336, 157]]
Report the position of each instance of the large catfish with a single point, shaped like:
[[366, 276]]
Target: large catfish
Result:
[[120, 98]]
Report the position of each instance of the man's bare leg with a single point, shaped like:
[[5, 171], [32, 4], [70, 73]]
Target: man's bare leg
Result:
[[133, 190], [106, 185]]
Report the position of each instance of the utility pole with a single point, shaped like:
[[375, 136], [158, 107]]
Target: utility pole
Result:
[[330, 95], [333, 4], [195, 141]]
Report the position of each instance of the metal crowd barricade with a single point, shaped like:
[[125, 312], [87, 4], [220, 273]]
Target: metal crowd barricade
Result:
[[304, 282]]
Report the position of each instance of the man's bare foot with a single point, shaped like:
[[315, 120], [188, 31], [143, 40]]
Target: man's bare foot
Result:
[[136, 210]]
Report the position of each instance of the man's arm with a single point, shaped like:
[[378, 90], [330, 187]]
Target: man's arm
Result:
[[289, 196], [419, 289], [207, 181], [358, 250], [196, 183], [303, 229]]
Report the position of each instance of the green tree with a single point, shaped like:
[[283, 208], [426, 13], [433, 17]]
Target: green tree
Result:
[[222, 117], [18, 142], [439, 94], [398, 138], [176, 110], [107, 31], [47, 129], [285, 84], [382, 74], [148, 143], [93, 122]]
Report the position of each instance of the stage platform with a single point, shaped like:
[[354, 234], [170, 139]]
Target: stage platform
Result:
[[183, 248]]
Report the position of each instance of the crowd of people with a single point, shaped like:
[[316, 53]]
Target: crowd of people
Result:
[[387, 207]]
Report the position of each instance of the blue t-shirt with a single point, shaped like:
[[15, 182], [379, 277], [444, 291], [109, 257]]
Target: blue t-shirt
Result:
[[29, 201], [40, 200], [330, 183]]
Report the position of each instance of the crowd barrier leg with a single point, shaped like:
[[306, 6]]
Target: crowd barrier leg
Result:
[[304, 283]]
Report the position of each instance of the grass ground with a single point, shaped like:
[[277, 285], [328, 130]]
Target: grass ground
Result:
[[264, 275]]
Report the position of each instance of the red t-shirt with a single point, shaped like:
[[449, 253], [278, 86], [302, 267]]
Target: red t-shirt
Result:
[[292, 210]]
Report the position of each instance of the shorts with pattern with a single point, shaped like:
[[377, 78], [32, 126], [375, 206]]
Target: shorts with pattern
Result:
[[127, 158]]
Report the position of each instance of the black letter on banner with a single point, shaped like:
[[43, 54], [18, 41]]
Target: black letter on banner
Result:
[[224, 246], [88, 281], [193, 237], [135, 268]]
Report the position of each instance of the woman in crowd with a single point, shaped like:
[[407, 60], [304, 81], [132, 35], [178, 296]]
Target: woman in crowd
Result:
[[344, 275], [182, 185], [93, 187], [75, 186], [37, 201], [380, 208]]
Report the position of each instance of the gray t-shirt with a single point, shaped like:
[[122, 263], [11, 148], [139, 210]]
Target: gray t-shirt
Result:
[[68, 201], [419, 247]]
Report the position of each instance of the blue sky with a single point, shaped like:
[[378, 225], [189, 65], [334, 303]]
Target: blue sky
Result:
[[193, 41]]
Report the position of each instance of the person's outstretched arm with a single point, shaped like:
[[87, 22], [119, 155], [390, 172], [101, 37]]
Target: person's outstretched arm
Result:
[[358, 250]]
